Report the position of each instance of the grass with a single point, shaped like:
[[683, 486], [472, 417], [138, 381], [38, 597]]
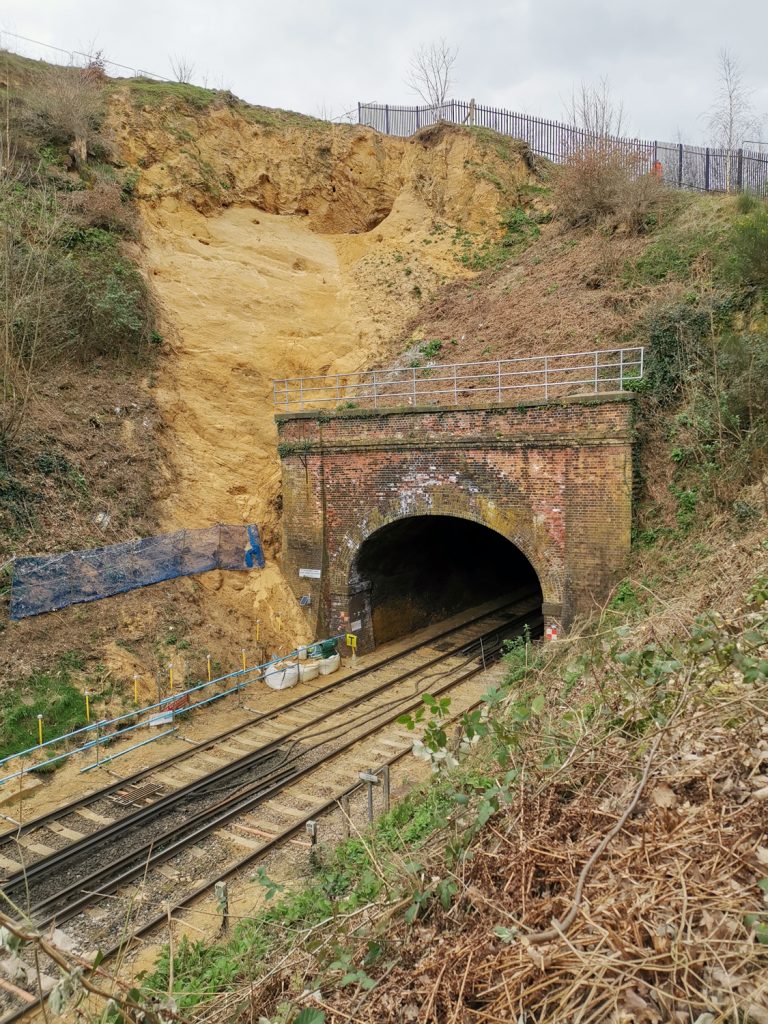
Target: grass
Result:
[[146, 92], [519, 229], [50, 694]]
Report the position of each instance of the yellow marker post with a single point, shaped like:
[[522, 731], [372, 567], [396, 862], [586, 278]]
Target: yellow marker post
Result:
[[170, 675], [87, 706], [243, 654], [40, 729], [135, 689], [352, 641], [258, 630], [208, 662]]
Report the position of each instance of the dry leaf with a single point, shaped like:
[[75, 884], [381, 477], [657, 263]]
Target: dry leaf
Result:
[[663, 796]]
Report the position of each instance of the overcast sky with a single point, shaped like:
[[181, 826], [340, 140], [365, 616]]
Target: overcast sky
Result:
[[325, 55]]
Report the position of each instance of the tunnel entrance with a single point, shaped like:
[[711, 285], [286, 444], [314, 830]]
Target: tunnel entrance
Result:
[[423, 569]]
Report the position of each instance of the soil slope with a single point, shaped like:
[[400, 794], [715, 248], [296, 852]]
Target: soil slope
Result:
[[324, 248]]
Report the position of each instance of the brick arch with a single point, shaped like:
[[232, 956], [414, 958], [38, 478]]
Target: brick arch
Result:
[[553, 478], [549, 579]]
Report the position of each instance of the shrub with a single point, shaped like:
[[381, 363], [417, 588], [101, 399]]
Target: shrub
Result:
[[67, 107], [601, 182], [749, 247], [104, 206]]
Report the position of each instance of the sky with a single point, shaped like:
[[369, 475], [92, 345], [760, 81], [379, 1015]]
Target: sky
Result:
[[323, 56]]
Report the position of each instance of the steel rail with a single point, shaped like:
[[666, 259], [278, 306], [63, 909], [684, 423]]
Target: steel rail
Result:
[[12, 834], [69, 855], [205, 888], [137, 861]]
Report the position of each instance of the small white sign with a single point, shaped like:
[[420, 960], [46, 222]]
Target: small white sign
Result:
[[356, 625], [310, 574]]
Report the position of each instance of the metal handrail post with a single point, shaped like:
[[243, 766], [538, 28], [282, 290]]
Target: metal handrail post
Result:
[[546, 379], [338, 388], [498, 375], [455, 384], [595, 372], [375, 392], [413, 385], [621, 369]]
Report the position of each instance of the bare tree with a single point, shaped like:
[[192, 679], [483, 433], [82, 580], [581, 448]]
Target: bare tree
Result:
[[593, 108], [183, 68], [605, 177], [732, 116], [431, 72]]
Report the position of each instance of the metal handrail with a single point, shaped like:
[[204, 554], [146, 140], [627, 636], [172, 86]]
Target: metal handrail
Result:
[[597, 371]]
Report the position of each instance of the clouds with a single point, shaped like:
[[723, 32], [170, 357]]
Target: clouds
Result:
[[524, 54]]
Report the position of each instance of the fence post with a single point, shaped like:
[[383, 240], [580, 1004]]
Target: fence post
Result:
[[375, 392], [595, 372], [621, 369], [680, 165], [498, 375], [413, 385], [740, 170], [455, 384], [706, 170], [359, 113], [418, 110], [546, 378], [386, 118]]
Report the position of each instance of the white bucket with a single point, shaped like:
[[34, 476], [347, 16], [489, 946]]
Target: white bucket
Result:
[[309, 670], [282, 676], [328, 665]]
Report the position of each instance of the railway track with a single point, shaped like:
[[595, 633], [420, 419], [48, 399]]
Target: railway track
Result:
[[40, 837], [261, 794]]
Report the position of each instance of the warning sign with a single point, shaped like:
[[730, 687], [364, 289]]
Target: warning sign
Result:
[[352, 641]]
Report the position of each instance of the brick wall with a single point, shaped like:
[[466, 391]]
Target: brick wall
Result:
[[554, 479]]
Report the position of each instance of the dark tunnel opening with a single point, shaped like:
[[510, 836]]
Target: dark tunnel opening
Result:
[[423, 569]]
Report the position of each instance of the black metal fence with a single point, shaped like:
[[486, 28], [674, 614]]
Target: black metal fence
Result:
[[703, 168]]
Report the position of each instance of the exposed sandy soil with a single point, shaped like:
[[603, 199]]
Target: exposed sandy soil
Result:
[[250, 295], [275, 250]]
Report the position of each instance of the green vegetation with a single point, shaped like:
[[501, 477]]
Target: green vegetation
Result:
[[70, 287], [50, 694], [519, 229], [145, 92]]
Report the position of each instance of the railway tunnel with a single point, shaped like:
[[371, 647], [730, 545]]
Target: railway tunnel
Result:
[[422, 569]]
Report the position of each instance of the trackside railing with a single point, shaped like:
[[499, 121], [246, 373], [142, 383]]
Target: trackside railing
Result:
[[164, 711], [496, 381]]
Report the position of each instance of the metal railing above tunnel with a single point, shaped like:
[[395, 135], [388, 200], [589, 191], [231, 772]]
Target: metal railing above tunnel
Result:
[[495, 382]]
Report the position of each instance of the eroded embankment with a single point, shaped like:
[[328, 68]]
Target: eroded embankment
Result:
[[332, 240]]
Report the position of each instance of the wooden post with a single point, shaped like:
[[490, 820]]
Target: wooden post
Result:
[[345, 815], [221, 892]]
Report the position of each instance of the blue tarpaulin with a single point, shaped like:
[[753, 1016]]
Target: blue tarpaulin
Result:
[[45, 583]]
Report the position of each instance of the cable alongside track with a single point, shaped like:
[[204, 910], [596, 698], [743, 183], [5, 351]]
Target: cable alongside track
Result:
[[197, 819]]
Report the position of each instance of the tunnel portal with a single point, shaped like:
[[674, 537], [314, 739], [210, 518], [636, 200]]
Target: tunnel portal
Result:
[[422, 569], [423, 510]]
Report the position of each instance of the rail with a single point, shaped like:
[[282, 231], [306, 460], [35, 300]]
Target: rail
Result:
[[494, 381]]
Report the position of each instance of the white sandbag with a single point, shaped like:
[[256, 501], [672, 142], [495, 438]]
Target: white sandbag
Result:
[[282, 676], [328, 665], [302, 654], [309, 670]]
